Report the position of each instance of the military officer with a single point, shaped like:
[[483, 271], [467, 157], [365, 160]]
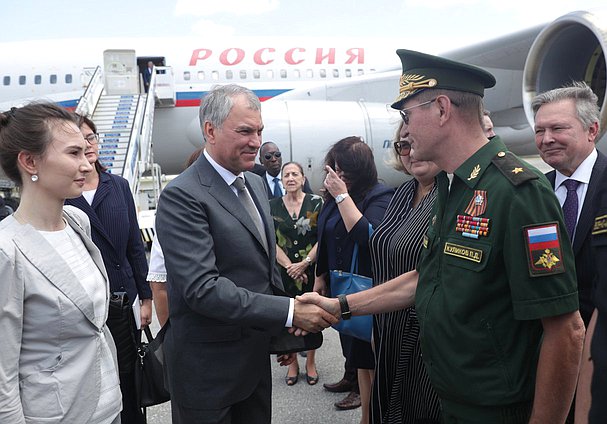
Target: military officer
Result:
[[496, 292]]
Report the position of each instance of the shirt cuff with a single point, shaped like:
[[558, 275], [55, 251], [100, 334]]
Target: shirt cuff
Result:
[[290, 316]]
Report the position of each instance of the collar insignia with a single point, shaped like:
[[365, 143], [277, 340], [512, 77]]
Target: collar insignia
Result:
[[517, 170], [475, 172]]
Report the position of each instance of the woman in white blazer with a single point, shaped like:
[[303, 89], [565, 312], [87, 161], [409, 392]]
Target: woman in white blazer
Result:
[[58, 360]]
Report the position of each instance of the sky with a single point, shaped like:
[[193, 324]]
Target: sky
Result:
[[433, 25]]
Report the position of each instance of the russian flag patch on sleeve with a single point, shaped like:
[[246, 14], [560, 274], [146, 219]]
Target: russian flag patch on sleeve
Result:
[[543, 245]]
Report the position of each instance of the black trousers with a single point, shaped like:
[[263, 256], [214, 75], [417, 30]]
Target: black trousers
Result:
[[256, 409]]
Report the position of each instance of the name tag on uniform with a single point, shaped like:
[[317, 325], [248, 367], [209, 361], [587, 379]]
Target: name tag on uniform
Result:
[[425, 241], [600, 225], [463, 252]]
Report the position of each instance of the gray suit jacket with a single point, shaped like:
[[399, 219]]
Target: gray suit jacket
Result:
[[221, 285], [51, 342]]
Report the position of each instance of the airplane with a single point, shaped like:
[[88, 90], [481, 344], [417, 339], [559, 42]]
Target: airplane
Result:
[[59, 70], [314, 96]]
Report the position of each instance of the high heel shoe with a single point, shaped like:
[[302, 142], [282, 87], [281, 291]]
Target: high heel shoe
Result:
[[310, 379], [291, 381]]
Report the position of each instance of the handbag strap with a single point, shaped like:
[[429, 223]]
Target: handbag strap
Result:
[[354, 262]]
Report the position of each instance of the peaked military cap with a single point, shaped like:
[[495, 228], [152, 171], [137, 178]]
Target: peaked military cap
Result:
[[422, 71]]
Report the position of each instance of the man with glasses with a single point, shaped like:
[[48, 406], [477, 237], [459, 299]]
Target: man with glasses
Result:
[[497, 296], [270, 158]]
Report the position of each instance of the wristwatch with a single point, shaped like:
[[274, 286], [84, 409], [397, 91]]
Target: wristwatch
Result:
[[345, 309], [308, 260], [341, 197]]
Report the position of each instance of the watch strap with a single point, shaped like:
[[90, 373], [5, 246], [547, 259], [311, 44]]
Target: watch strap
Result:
[[345, 308]]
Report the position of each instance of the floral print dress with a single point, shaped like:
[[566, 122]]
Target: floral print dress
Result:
[[296, 236]]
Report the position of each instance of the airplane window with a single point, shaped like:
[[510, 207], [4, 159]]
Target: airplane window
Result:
[[297, 73], [323, 73], [6, 80], [200, 75], [68, 78], [309, 73], [283, 73], [229, 74], [270, 74], [186, 75], [335, 73], [361, 71], [21, 79], [243, 74], [215, 75], [348, 73], [53, 79], [256, 74], [37, 79]]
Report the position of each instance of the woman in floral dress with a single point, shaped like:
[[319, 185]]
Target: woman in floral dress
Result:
[[295, 215]]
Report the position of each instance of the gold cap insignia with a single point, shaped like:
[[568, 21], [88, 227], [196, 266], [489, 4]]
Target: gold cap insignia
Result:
[[410, 83]]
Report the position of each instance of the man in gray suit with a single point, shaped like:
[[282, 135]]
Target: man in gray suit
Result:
[[215, 228]]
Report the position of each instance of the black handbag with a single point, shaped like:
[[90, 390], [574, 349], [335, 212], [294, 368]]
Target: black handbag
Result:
[[121, 323], [150, 376], [347, 283]]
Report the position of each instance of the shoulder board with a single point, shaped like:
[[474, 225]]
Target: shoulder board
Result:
[[513, 168]]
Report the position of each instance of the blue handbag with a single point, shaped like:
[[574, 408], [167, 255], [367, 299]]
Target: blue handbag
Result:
[[347, 283]]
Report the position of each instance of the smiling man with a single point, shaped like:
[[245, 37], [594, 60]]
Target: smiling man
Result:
[[217, 235], [566, 129]]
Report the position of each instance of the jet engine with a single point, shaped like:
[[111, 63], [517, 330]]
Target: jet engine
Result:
[[572, 48]]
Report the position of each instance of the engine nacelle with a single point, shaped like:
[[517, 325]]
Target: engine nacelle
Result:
[[572, 48]]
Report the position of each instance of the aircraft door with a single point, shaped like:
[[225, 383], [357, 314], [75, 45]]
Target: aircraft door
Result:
[[120, 72]]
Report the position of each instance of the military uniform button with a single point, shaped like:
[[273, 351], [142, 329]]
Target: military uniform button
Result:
[[295, 242], [501, 154]]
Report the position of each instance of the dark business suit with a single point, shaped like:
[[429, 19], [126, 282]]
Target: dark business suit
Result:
[[220, 282], [147, 78], [115, 232], [582, 248]]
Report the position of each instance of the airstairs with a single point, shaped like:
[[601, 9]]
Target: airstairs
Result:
[[124, 119]]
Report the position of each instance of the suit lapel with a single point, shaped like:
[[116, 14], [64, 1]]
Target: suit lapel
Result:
[[44, 258], [587, 214], [226, 197]]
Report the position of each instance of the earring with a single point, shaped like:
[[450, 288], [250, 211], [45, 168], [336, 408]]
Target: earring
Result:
[[34, 177]]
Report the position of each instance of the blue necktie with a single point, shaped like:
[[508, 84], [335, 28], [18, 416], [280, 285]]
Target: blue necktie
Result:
[[570, 207], [277, 190]]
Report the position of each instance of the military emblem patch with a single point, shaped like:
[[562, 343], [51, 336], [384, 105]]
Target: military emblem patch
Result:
[[543, 249]]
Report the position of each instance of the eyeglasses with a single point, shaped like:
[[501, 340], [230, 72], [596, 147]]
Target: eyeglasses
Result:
[[92, 138], [269, 155], [404, 112], [402, 148]]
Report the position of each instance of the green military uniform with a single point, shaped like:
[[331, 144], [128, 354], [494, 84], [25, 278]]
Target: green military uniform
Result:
[[496, 259]]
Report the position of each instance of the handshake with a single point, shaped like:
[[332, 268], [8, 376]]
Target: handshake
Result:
[[314, 313]]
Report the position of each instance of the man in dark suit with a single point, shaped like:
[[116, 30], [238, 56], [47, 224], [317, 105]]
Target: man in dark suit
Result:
[[147, 75], [270, 158], [566, 129], [217, 235]]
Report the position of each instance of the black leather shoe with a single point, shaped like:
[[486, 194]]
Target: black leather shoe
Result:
[[352, 401], [342, 386]]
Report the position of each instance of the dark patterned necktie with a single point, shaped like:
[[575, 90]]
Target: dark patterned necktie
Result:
[[570, 207], [277, 190]]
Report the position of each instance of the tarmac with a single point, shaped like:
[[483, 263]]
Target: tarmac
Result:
[[301, 403]]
